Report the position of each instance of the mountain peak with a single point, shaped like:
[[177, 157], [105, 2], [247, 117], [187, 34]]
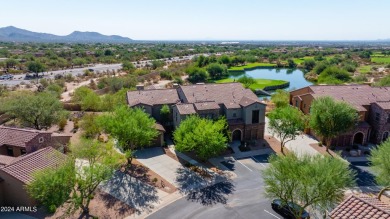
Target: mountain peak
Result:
[[11, 33]]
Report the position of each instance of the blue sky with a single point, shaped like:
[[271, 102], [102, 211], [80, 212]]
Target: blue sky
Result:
[[205, 19]]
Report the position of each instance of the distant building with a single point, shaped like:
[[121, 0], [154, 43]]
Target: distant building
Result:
[[15, 142], [372, 104], [243, 110]]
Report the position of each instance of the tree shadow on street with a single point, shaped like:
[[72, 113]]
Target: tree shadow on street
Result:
[[208, 191], [131, 191]]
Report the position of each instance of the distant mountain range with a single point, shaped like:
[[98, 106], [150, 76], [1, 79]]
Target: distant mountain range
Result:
[[14, 34]]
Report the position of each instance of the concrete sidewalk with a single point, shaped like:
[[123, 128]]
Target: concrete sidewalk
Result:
[[301, 144], [156, 160]]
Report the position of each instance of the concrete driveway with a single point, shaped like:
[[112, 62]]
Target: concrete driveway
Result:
[[156, 160], [301, 144]]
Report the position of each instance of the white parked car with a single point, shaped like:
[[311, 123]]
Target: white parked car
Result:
[[7, 77]]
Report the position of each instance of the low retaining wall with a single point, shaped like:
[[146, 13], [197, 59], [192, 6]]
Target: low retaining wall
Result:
[[71, 106], [275, 87], [251, 68]]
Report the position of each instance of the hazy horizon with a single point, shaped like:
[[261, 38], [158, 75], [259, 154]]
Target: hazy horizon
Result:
[[247, 20]]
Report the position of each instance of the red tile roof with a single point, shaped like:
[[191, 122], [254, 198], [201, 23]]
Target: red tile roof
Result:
[[210, 105], [6, 160], [383, 104], [17, 137], [24, 166], [185, 108], [356, 95], [152, 97], [229, 94], [361, 206]]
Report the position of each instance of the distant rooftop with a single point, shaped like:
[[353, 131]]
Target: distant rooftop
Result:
[[17, 137]]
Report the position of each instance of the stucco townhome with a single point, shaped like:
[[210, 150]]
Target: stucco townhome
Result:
[[371, 103], [244, 112]]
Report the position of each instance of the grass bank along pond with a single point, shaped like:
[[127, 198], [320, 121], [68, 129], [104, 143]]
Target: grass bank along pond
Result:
[[270, 76]]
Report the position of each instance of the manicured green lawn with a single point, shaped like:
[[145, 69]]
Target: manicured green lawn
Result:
[[260, 83], [251, 65], [364, 69], [301, 60], [381, 60]]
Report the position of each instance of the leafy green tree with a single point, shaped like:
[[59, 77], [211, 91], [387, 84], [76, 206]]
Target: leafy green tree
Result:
[[286, 122], [196, 74], [204, 136], [157, 64], [380, 162], [128, 66], [40, 111], [131, 127], [246, 81], [111, 101], [79, 61], [53, 186], [224, 59], [309, 64], [87, 99], [55, 89], [202, 61], [164, 113], [108, 52], [102, 159], [90, 126], [11, 63], [217, 71], [316, 181], [36, 67], [330, 118], [334, 75], [291, 63], [280, 98], [320, 67]]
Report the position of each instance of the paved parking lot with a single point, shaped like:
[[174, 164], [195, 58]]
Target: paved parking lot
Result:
[[245, 198]]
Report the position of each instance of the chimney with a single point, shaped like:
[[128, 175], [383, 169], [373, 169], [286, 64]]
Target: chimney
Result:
[[140, 87]]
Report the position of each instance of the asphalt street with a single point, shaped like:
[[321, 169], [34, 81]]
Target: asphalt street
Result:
[[18, 78], [242, 197]]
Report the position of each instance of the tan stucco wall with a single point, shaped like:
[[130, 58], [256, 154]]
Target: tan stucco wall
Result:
[[230, 112], [14, 193], [248, 113]]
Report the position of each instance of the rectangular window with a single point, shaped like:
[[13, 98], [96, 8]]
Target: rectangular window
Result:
[[304, 105], [388, 118], [22, 151], [255, 116], [234, 115], [10, 151], [296, 103], [377, 117]]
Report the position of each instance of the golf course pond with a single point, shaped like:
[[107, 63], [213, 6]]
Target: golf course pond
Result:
[[271, 77]]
